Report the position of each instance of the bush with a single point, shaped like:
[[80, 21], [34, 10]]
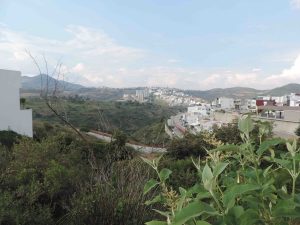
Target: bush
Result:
[[192, 145], [9, 138], [51, 181], [183, 172], [116, 199], [228, 133], [84, 129], [232, 186]]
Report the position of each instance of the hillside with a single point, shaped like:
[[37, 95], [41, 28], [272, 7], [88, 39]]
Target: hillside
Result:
[[31, 85], [243, 92], [129, 117], [34, 83], [234, 92], [289, 88]]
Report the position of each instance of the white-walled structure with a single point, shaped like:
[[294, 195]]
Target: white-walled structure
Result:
[[294, 99], [225, 103], [11, 116]]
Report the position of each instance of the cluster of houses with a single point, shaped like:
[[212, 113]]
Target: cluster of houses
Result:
[[170, 96], [206, 116], [175, 97], [141, 96], [199, 116]]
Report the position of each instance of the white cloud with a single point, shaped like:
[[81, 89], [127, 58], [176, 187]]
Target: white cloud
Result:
[[92, 58], [210, 81], [254, 78], [88, 52], [295, 4], [78, 68], [289, 75]]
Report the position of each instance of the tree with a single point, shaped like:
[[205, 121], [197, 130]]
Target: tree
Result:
[[228, 133], [192, 145]]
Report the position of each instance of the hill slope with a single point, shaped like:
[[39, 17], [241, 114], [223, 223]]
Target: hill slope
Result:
[[106, 93], [243, 92], [286, 89], [34, 83]]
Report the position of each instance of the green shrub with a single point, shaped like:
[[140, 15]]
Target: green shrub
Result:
[[232, 186], [8, 138], [192, 145]]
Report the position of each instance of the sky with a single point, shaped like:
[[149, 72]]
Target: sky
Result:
[[187, 44]]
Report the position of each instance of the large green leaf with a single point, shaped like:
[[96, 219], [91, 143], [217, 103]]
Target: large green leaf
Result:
[[282, 162], [149, 162], [156, 199], [149, 185], [245, 124], [286, 208], [235, 191], [219, 168], [249, 217], [207, 178], [192, 210], [164, 174], [266, 145], [182, 198]]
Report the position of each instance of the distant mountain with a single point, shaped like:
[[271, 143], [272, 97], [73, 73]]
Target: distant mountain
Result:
[[235, 92], [243, 92], [31, 86], [35, 83], [286, 89]]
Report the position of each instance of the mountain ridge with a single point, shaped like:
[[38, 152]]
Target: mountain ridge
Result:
[[34, 83]]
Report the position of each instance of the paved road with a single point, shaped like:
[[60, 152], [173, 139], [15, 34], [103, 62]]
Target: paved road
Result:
[[175, 120], [140, 148]]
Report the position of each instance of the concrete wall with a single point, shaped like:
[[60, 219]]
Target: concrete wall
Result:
[[292, 115], [226, 117], [11, 117], [281, 128]]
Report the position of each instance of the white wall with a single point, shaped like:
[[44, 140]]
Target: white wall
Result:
[[226, 103], [11, 117]]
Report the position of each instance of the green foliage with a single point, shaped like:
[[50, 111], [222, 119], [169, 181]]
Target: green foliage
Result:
[[49, 180], [120, 202], [118, 149], [8, 138], [153, 134], [184, 172], [236, 184], [228, 134], [191, 145], [107, 116]]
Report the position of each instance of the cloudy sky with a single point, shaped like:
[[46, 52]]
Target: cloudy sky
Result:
[[191, 44]]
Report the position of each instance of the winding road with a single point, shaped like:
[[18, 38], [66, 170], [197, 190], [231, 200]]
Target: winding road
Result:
[[139, 147]]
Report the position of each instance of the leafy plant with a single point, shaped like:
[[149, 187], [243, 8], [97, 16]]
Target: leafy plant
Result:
[[237, 184]]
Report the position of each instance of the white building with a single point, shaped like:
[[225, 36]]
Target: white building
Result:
[[11, 117], [225, 103], [294, 99], [200, 110]]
